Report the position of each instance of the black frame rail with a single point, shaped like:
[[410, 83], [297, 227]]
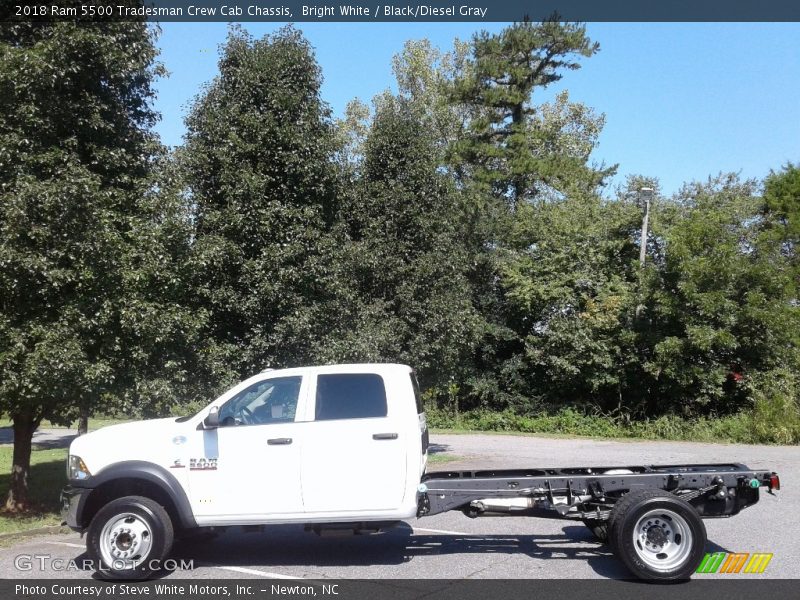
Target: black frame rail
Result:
[[715, 490]]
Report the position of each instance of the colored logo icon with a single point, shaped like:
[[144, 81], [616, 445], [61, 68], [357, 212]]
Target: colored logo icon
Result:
[[731, 563]]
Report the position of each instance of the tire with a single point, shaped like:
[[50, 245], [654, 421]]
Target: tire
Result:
[[657, 535], [129, 537], [599, 529]]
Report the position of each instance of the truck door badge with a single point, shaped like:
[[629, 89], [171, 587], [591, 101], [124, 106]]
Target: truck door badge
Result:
[[202, 464]]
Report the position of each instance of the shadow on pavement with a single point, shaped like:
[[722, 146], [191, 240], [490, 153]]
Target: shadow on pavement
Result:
[[291, 546], [438, 448], [49, 444]]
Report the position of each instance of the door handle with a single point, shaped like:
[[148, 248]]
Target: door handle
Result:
[[279, 441], [384, 436]]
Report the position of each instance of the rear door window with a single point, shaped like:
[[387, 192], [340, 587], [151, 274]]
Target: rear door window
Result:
[[350, 396]]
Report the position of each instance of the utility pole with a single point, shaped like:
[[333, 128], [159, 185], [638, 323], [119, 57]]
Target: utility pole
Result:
[[645, 193]]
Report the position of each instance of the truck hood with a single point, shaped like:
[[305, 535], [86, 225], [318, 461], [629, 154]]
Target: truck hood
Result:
[[126, 441]]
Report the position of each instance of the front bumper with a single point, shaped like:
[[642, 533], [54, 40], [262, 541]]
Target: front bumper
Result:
[[72, 501]]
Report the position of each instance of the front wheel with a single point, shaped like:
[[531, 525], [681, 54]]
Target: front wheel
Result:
[[657, 535], [129, 537]]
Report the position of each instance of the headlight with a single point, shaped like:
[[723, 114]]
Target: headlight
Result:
[[76, 468]]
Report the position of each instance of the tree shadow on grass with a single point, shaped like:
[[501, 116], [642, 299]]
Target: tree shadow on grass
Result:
[[44, 484]]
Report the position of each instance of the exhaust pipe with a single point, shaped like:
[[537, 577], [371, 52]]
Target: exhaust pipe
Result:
[[501, 505]]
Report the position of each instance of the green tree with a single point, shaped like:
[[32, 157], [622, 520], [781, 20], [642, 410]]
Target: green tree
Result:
[[409, 300], [724, 310], [782, 211], [81, 299], [519, 150], [569, 279], [517, 156], [259, 170], [350, 132], [425, 77]]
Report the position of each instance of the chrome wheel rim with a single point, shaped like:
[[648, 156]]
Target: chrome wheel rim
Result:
[[662, 539], [125, 541]]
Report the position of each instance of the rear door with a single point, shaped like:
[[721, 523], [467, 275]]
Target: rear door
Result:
[[354, 456]]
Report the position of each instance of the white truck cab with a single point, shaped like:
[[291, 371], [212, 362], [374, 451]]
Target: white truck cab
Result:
[[284, 446]]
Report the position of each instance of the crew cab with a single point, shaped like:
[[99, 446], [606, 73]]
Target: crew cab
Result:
[[297, 446]]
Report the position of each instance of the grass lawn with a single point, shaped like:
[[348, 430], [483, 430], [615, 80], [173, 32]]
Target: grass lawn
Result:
[[46, 480], [439, 458]]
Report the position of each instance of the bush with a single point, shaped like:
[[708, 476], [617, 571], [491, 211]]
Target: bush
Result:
[[774, 420], [775, 415]]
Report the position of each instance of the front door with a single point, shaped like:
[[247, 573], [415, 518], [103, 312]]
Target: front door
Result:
[[248, 468]]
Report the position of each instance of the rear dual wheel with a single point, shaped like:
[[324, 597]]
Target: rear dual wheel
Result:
[[657, 535]]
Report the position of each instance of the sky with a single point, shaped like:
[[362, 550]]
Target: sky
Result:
[[683, 101]]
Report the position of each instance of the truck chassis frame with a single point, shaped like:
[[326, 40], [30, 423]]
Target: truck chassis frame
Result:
[[714, 490], [651, 516]]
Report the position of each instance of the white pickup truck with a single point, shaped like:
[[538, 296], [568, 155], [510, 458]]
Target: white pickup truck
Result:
[[345, 446]]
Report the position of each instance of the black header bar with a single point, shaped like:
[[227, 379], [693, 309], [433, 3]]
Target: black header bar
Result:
[[731, 588], [398, 11]]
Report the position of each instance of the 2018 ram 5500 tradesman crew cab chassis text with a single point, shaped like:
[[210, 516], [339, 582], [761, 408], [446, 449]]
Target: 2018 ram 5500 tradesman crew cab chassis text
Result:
[[346, 446]]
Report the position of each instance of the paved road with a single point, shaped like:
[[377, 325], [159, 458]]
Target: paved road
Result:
[[452, 546], [43, 438]]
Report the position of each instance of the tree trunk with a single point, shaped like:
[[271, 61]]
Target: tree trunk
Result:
[[24, 426], [83, 421], [517, 181]]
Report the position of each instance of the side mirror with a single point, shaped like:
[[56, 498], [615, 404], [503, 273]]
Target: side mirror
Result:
[[212, 420]]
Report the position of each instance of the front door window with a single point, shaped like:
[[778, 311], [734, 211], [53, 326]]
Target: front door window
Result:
[[263, 403]]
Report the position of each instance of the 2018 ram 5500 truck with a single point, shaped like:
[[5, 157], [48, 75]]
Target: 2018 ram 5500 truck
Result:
[[346, 446]]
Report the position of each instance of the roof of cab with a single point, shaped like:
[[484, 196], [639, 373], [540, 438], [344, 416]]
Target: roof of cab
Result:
[[342, 368]]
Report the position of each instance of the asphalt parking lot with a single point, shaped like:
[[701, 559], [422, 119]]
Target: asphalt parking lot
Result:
[[452, 546]]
